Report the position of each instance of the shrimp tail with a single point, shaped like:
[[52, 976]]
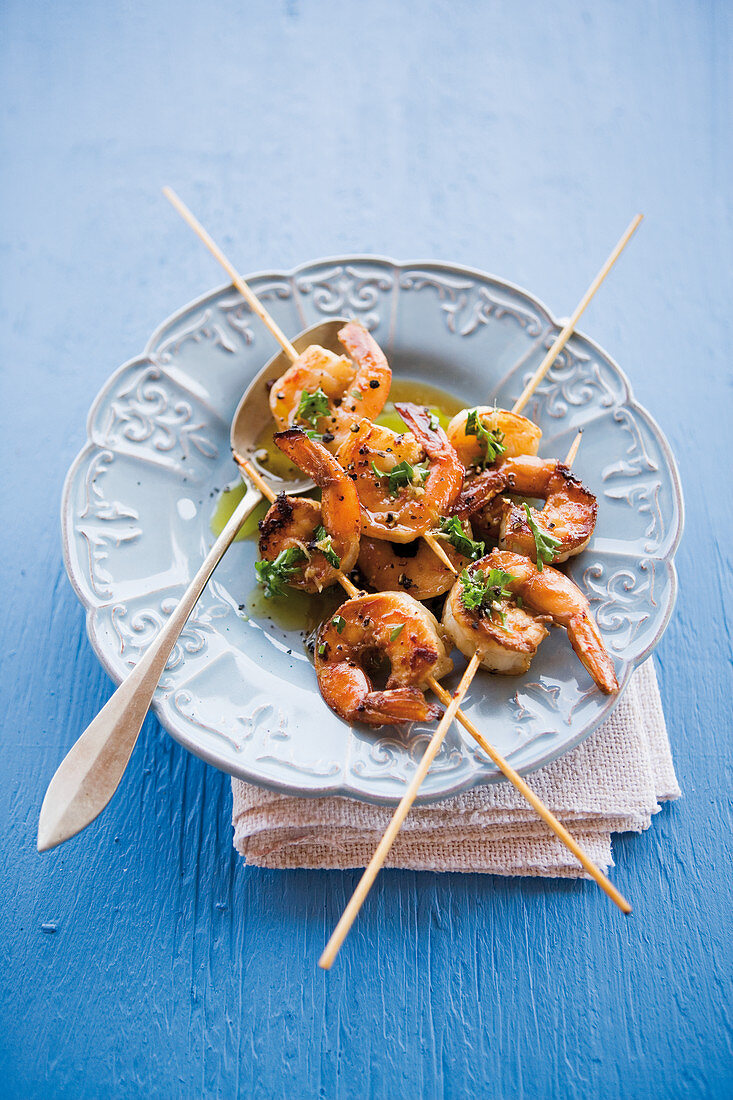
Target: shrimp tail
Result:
[[309, 455], [419, 420], [587, 643], [396, 706], [346, 689], [479, 491], [373, 370]]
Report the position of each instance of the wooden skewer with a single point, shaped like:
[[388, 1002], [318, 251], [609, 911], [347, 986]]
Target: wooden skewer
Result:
[[375, 863], [563, 337], [438, 549], [574, 448], [453, 711], [249, 296]]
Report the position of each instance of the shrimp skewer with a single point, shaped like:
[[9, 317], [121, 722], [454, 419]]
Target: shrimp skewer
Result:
[[565, 524], [567, 520], [452, 702], [585, 640], [504, 635], [482, 434]]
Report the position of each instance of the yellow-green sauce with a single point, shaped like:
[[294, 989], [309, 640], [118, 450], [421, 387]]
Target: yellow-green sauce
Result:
[[443, 404], [296, 611]]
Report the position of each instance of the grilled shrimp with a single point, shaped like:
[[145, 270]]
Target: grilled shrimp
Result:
[[408, 567], [505, 636], [568, 517], [516, 434], [550, 592], [329, 392], [405, 482], [295, 521], [363, 632]]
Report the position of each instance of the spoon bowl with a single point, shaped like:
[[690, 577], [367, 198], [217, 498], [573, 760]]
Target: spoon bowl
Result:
[[253, 412]]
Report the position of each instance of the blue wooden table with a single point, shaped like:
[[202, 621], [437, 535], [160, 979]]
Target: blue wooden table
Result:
[[143, 958]]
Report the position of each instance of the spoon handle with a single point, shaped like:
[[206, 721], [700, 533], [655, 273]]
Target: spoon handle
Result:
[[89, 774]]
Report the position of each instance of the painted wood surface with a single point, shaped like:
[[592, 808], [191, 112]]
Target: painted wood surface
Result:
[[143, 958]]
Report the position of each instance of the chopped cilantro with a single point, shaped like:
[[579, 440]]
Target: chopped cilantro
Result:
[[491, 441], [452, 531], [312, 406], [322, 541], [403, 474], [274, 575], [339, 622], [545, 544], [482, 590]]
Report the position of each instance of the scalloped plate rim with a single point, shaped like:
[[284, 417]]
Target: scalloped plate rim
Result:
[[346, 789]]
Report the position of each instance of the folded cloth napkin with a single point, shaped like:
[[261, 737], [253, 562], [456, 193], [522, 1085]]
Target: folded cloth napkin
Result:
[[612, 783]]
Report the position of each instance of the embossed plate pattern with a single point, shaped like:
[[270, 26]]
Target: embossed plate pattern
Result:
[[241, 693]]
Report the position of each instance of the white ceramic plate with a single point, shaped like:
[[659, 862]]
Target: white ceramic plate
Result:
[[242, 693]]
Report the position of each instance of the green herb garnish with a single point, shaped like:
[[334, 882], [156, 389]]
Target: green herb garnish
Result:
[[274, 575], [322, 649], [491, 441], [481, 591], [323, 541], [545, 544], [403, 474], [395, 632], [451, 530], [339, 622], [311, 408], [433, 421]]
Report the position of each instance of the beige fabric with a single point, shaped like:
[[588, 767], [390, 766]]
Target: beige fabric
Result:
[[611, 783]]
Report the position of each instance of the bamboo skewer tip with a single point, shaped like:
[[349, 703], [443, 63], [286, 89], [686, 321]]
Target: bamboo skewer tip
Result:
[[374, 866], [437, 549], [566, 332], [244, 289]]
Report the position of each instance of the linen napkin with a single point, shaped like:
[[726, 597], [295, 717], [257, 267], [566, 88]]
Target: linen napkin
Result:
[[613, 782]]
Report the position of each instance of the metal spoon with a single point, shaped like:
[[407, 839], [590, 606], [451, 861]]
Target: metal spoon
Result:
[[91, 771]]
